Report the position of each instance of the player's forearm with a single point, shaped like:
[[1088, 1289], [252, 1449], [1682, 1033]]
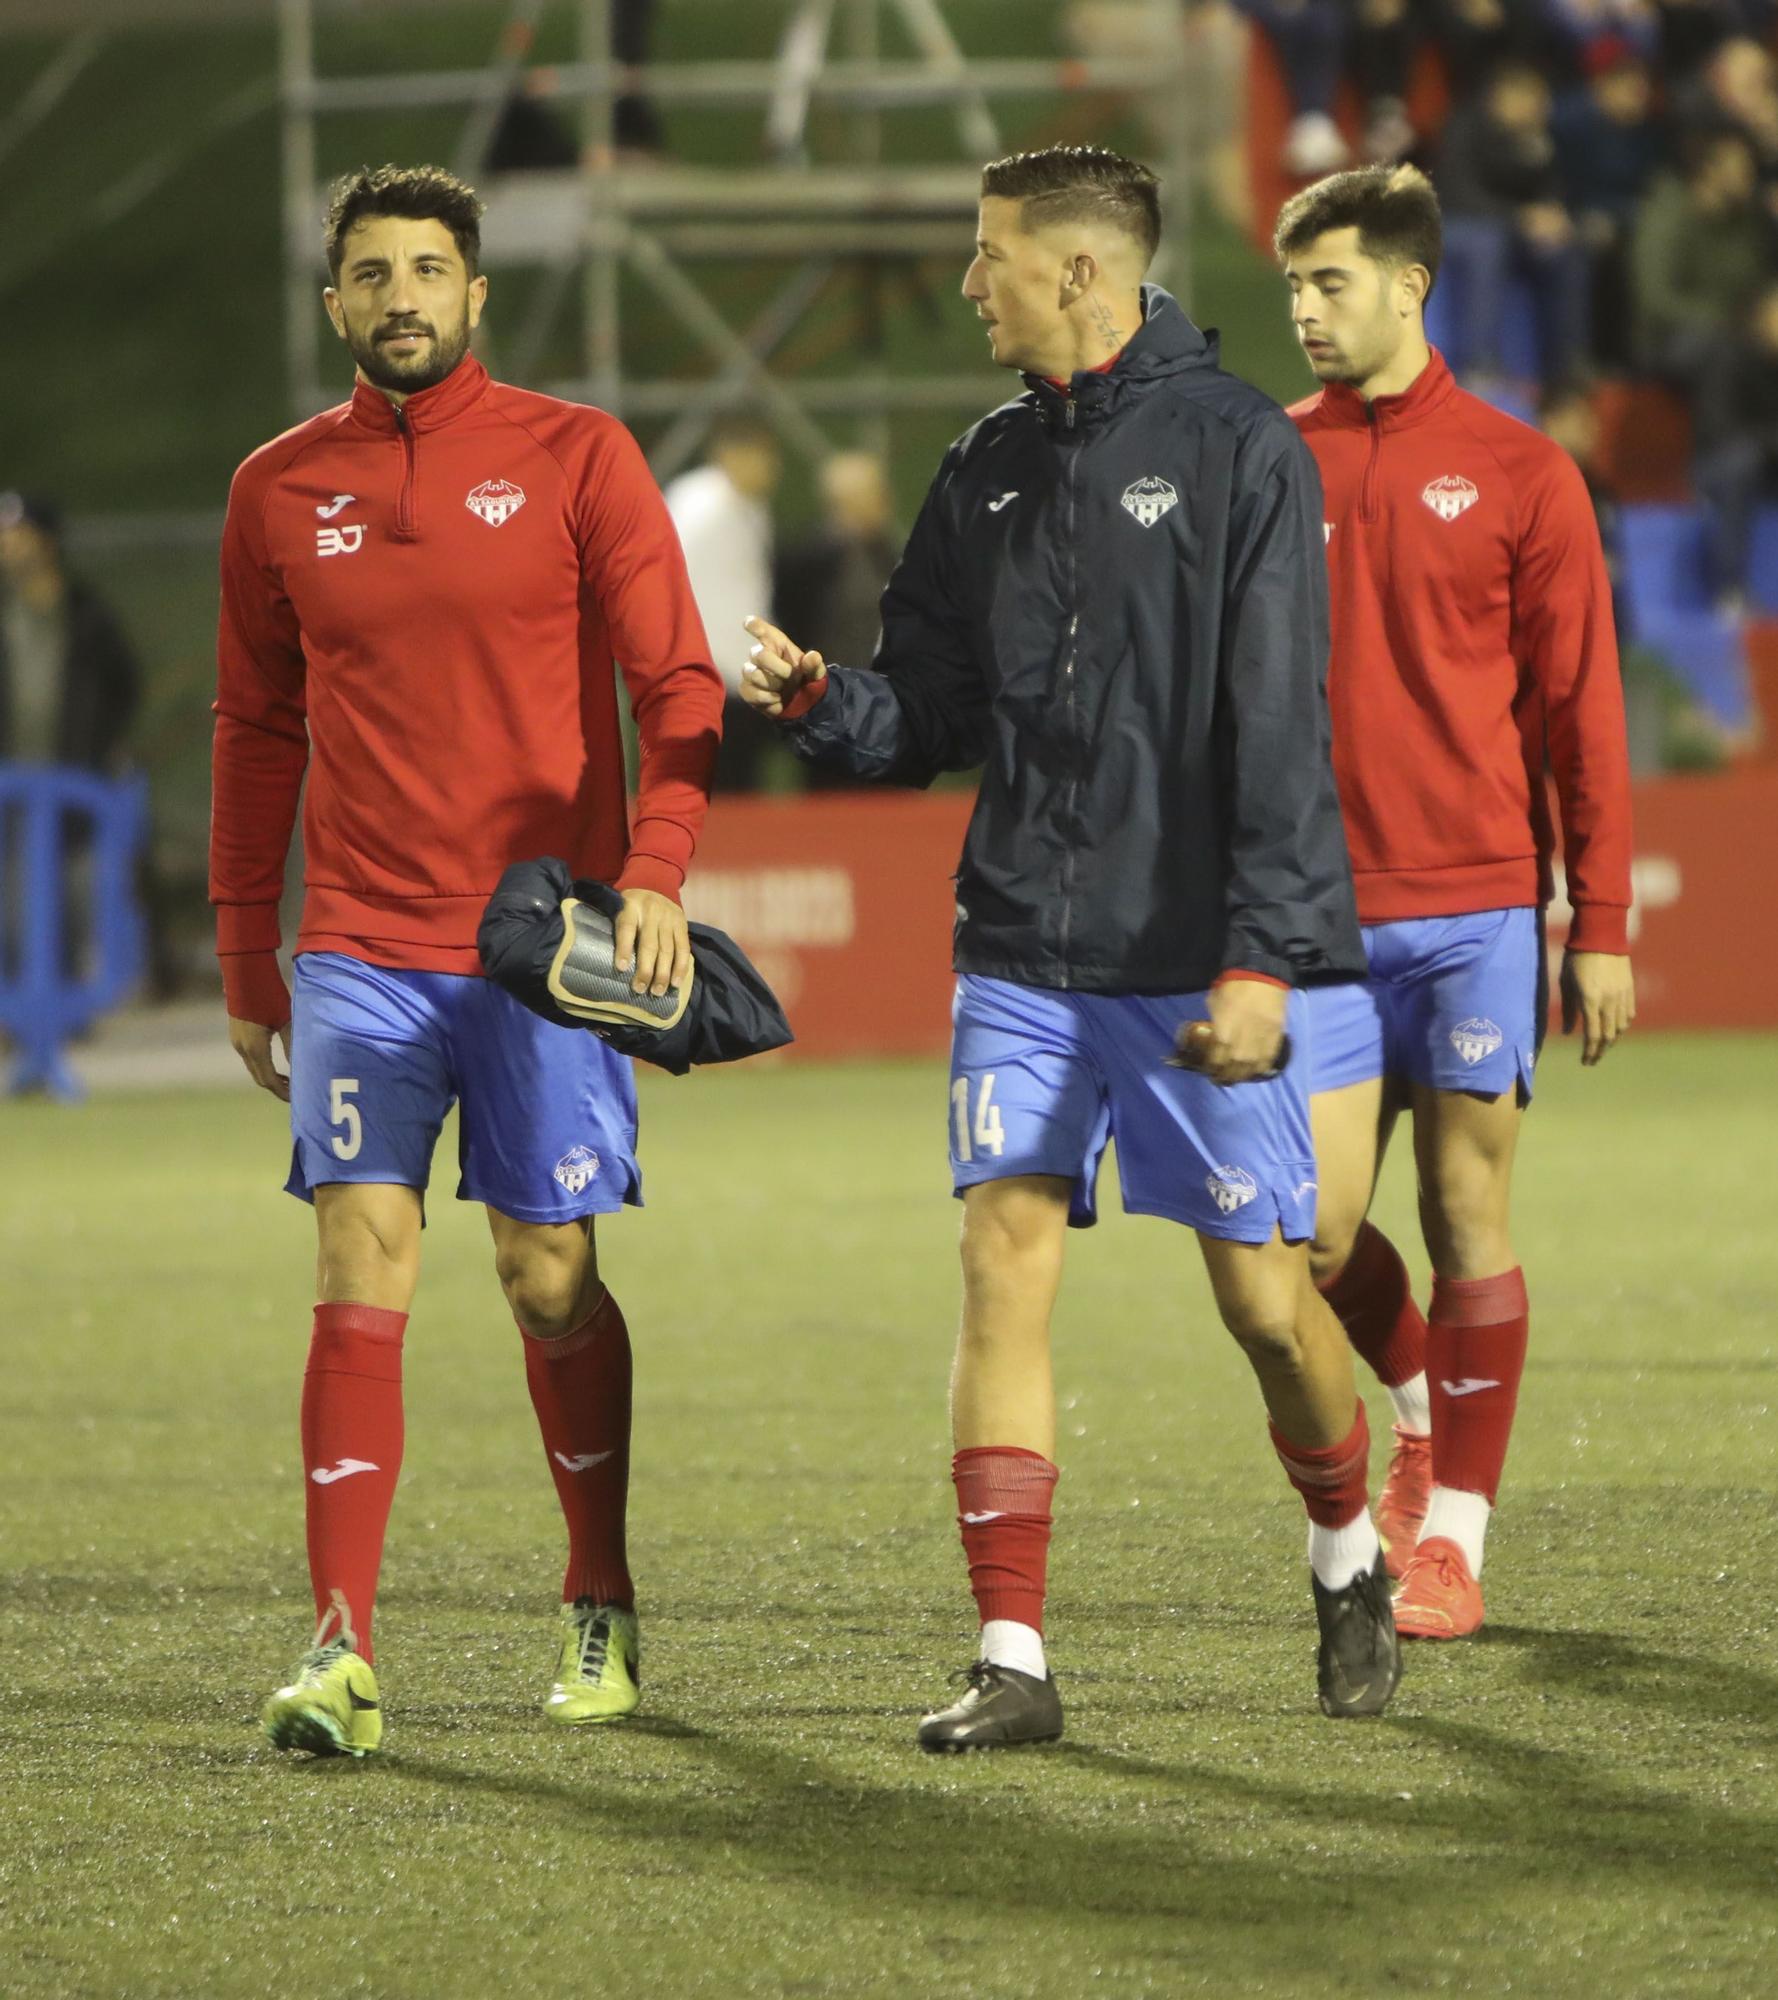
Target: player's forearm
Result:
[[678, 728]]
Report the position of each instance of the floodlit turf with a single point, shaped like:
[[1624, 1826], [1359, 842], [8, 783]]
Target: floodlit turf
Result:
[[1582, 1802]]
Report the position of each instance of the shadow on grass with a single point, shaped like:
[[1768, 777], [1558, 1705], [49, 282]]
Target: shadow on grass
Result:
[[1617, 1669], [1522, 1819]]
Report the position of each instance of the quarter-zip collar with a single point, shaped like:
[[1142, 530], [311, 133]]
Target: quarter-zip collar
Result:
[[1164, 345], [1429, 391], [426, 410]]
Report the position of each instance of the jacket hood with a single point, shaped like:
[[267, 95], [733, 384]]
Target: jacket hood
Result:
[[1167, 343]]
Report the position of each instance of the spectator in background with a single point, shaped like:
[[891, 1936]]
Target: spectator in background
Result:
[[534, 134], [1501, 192], [1737, 434], [1737, 91], [1608, 146], [831, 580], [69, 680], [1691, 30], [723, 513], [1702, 251], [1575, 25], [1569, 416], [1310, 37]]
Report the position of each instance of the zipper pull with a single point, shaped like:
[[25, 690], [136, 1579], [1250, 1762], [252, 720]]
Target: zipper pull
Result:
[[1068, 414]]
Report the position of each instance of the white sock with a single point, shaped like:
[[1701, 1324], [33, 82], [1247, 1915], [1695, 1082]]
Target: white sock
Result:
[[1461, 1518], [1007, 1643], [1413, 1404], [1337, 1555]]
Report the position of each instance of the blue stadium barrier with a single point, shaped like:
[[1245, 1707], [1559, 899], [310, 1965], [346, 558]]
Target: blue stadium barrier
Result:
[[1449, 319], [1667, 590], [1762, 562], [44, 814]]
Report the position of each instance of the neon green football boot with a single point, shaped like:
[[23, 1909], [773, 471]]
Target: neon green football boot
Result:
[[331, 1708], [599, 1676]]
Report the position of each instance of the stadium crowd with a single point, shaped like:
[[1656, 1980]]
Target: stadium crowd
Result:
[[1609, 175]]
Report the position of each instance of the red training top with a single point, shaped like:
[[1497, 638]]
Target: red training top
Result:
[[1472, 639], [423, 606]]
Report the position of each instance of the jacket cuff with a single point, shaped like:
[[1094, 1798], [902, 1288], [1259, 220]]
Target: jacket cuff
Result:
[[649, 871], [253, 988], [243, 927], [1242, 972], [804, 699], [1252, 964], [1600, 927]]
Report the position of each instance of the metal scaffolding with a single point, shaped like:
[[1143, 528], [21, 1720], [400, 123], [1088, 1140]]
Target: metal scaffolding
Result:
[[668, 226]]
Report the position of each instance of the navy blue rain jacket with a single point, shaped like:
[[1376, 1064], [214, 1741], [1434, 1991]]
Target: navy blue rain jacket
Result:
[[1115, 601]]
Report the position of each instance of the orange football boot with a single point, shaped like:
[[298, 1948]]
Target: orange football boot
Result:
[[1438, 1598], [1401, 1506]]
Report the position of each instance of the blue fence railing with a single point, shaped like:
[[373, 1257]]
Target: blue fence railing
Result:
[[73, 940]]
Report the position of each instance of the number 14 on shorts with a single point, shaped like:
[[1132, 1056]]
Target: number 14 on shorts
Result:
[[986, 1134]]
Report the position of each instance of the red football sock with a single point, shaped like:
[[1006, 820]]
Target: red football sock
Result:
[[1373, 1300], [1333, 1479], [1003, 1512], [1476, 1354], [351, 1438], [580, 1389]]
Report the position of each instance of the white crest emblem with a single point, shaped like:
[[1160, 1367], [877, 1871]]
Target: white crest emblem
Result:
[[575, 1169], [496, 501], [1475, 1039], [1148, 499], [1450, 496], [1231, 1188]]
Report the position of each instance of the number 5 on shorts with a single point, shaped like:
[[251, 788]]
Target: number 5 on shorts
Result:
[[990, 1135], [343, 1112]]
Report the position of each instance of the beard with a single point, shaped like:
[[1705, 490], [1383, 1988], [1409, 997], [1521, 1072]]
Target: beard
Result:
[[410, 373]]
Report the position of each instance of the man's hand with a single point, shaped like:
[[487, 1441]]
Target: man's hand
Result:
[[1248, 1018], [1598, 997], [777, 671], [651, 930], [252, 1042]]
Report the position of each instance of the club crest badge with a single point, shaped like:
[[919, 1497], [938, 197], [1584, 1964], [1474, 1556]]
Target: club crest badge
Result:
[[1231, 1188], [496, 501], [1450, 496], [577, 1169], [1148, 499], [1476, 1039]]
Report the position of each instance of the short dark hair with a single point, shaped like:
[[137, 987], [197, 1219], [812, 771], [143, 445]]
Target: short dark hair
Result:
[[422, 193], [1080, 184], [1393, 208]]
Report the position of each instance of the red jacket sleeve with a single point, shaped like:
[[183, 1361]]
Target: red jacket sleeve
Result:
[[260, 752], [633, 560], [1566, 644]]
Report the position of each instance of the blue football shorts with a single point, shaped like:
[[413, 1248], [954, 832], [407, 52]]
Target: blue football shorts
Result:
[[1454, 1003], [1042, 1080], [547, 1131]]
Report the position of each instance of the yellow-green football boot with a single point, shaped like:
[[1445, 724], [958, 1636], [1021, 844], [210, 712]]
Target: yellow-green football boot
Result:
[[599, 1676], [332, 1706]]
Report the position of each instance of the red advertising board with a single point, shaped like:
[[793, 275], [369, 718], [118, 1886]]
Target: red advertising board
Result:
[[844, 901]]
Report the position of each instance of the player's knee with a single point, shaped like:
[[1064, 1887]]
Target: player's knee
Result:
[[1267, 1335], [544, 1289], [366, 1252], [1465, 1224], [1005, 1245], [1332, 1248]]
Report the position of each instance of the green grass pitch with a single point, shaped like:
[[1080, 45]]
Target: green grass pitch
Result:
[[1582, 1802]]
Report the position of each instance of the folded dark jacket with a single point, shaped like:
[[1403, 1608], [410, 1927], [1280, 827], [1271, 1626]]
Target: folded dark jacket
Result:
[[561, 970]]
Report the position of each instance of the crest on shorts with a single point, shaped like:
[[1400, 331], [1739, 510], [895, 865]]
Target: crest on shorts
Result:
[[1231, 1188], [1475, 1039], [1450, 496], [577, 1169], [1148, 499], [496, 501]]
